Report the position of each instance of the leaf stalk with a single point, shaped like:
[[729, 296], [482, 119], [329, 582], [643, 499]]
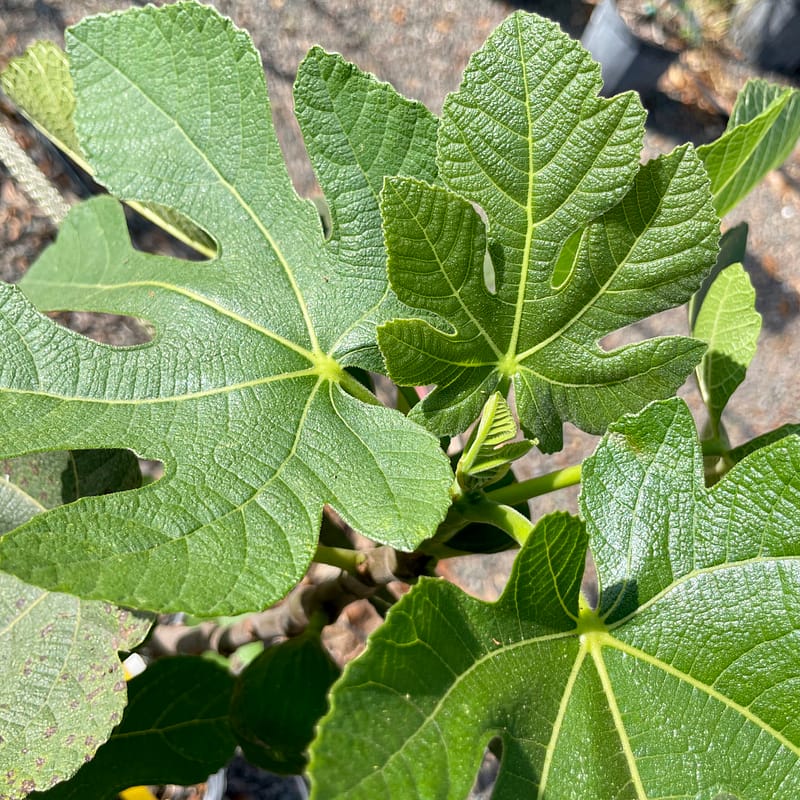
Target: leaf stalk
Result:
[[508, 519], [516, 493]]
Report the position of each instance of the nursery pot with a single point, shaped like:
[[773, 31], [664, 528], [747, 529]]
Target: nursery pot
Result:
[[768, 33], [626, 60]]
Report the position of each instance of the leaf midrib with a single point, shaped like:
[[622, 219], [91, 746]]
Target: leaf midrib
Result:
[[173, 727], [522, 288], [594, 384], [547, 764], [607, 640], [233, 191], [594, 643], [187, 293], [357, 161], [24, 613], [159, 400]]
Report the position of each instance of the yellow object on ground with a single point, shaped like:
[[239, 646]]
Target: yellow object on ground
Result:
[[132, 666]]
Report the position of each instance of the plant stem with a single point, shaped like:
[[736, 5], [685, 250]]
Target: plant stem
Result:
[[353, 387], [520, 492], [517, 526], [316, 604], [341, 557]]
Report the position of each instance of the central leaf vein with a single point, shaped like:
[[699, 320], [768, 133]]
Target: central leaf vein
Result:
[[609, 641], [619, 724], [234, 192], [529, 211]]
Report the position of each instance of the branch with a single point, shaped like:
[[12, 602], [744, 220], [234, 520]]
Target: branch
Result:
[[292, 616]]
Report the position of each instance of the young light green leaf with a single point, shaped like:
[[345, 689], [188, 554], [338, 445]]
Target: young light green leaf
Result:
[[63, 689], [762, 131], [582, 242], [175, 730], [490, 452], [40, 84], [242, 393], [728, 322], [683, 683], [732, 250]]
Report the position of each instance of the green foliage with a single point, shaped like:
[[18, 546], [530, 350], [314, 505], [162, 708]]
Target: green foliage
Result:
[[582, 242], [485, 257], [693, 641], [63, 688], [723, 314], [492, 447], [242, 393], [175, 729], [39, 82], [762, 130], [278, 700]]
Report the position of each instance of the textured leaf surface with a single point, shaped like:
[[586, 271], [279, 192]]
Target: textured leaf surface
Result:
[[728, 322], [39, 82], [51, 479], [240, 392], [762, 131], [63, 688], [175, 730], [582, 242], [683, 684]]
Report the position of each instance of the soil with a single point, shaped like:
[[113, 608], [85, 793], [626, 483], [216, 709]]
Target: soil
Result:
[[422, 48]]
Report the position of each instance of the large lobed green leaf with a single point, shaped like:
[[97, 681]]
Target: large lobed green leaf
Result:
[[684, 683], [242, 392], [582, 242], [63, 688]]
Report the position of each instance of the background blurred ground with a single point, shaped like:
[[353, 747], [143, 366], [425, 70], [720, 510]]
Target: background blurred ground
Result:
[[422, 48]]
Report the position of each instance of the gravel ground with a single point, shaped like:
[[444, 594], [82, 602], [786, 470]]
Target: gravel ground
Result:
[[421, 48]]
